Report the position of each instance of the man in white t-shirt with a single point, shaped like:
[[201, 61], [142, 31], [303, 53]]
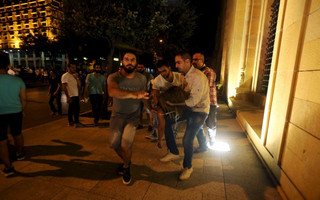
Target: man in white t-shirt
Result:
[[165, 80], [70, 85]]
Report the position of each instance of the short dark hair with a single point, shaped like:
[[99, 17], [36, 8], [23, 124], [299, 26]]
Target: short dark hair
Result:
[[124, 53], [163, 63], [184, 55]]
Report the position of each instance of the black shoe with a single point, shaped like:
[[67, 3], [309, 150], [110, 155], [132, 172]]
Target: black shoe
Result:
[[79, 125], [139, 126], [200, 150], [120, 169], [126, 177], [71, 124], [150, 128], [20, 156], [8, 171]]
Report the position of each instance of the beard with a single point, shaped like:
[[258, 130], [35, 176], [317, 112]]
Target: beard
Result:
[[129, 70]]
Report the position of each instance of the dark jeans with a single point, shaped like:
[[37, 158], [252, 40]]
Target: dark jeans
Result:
[[96, 102], [74, 110], [194, 128], [58, 100], [211, 122]]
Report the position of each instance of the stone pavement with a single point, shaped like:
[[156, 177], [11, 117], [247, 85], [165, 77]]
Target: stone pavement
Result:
[[76, 163]]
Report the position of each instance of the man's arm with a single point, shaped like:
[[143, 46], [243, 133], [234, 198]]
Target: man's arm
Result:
[[58, 88], [114, 91], [64, 87]]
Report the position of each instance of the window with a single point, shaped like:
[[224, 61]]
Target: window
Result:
[[270, 43]]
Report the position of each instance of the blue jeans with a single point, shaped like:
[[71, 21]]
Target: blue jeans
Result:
[[194, 128]]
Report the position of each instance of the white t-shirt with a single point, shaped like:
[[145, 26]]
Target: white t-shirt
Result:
[[159, 83], [72, 86]]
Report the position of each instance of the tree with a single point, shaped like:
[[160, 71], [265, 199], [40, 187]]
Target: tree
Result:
[[138, 23], [36, 40]]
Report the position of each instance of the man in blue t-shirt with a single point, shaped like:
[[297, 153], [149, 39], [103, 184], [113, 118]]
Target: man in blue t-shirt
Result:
[[12, 103], [96, 89]]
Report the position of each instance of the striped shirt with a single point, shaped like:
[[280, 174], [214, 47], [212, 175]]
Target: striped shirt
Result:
[[211, 75]]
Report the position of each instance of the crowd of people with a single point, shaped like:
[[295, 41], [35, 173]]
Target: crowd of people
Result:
[[171, 97]]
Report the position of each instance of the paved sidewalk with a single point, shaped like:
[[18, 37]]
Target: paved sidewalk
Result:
[[76, 163]]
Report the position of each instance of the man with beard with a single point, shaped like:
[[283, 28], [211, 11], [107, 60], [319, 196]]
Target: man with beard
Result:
[[96, 88], [165, 80], [70, 84], [127, 88]]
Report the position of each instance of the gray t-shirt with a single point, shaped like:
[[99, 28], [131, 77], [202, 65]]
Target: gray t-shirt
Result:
[[127, 106]]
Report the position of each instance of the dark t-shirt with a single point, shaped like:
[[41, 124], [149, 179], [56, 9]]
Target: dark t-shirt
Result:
[[54, 84], [127, 106]]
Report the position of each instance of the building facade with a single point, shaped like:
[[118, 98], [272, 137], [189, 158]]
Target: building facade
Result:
[[270, 71], [18, 17]]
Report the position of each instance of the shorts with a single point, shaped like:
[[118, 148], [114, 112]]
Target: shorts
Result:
[[123, 130], [14, 121]]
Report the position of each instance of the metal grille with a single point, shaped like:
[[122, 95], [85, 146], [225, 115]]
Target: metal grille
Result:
[[270, 44]]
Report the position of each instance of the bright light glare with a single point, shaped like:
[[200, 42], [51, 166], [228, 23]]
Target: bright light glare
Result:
[[116, 59], [220, 146]]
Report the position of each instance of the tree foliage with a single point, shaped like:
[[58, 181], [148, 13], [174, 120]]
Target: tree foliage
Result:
[[137, 23], [36, 40]]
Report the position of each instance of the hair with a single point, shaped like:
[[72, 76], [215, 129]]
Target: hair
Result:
[[124, 53], [184, 55], [95, 64], [163, 63], [201, 55]]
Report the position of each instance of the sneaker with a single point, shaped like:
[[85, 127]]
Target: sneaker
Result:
[[185, 174], [120, 169], [169, 156], [152, 137], [150, 128], [211, 144], [200, 149], [126, 177], [79, 125], [20, 156], [8, 171]]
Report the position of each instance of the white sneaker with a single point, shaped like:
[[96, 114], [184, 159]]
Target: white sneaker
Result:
[[185, 174], [168, 157]]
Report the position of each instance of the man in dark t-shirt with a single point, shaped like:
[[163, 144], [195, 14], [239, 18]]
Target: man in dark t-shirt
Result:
[[127, 88]]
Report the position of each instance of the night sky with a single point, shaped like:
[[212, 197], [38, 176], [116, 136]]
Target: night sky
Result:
[[205, 33]]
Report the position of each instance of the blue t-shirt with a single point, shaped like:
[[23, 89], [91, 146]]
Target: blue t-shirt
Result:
[[95, 83], [10, 87]]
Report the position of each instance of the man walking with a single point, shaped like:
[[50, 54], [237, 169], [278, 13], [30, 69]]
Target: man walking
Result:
[[127, 88], [55, 93], [211, 121], [70, 85], [12, 104], [96, 88], [198, 105]]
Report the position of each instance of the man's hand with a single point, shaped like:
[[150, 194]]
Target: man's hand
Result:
[[141, 95], [170, 103], [68, 99]]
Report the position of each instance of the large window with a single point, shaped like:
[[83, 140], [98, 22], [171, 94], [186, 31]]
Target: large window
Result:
[[270, 44]]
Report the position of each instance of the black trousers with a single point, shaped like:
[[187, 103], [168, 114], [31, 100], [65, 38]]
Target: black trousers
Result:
[[96, 102], [58, 100], [74, 110]]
